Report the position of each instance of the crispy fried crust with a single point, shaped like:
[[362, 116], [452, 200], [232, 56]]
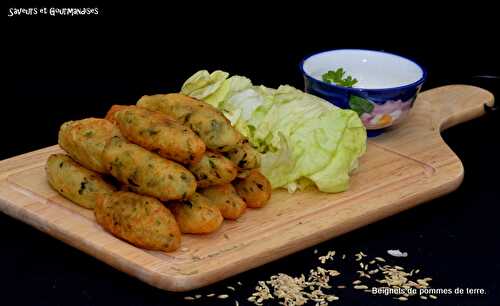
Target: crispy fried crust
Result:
[[141, 220], [254, 189], [204, 119], [213, 169], [74, 182], [197, 215], [84, 140], [110, 115], [225, 198], [158, 132], [147, 173]]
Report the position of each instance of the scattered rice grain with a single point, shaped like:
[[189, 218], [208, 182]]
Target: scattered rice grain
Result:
[[397, 253], [363, 274], [332, 298], [360, 287], [333, 272], [328, 256]]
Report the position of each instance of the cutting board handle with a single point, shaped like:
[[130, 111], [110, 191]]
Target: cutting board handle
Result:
[[453, 104]]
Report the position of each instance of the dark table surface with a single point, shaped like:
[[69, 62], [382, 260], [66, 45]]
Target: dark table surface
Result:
[[65, 68]]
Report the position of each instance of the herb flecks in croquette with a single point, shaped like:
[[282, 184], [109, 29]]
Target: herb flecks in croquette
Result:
[[83, 185]]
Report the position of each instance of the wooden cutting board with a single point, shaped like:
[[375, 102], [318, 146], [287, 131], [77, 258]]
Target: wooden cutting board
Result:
[[404, 167]]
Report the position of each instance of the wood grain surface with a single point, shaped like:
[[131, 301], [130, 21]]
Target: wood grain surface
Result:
[[406, 166]]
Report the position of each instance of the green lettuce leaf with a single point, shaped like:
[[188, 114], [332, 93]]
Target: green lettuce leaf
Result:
[[304, 140], [202, 84]]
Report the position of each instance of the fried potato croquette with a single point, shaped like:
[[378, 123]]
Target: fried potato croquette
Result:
[[204, 119], [110, 115], [244, 156], [213, 169], [74, 182], [254, 189], [196, 215], [147, 173], [225, 198], [84, 140], [141, 220], [158, 132]]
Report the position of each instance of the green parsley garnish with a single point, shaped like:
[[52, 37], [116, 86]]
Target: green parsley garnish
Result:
[[338, 78]]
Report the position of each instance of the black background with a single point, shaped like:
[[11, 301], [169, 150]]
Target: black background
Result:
[[63, 68]]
